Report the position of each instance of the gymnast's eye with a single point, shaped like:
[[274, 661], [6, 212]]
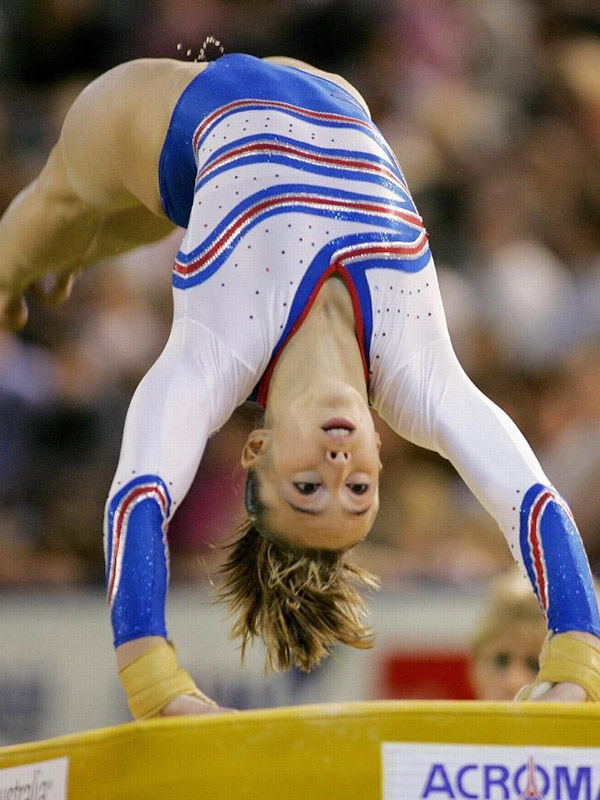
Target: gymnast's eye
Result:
[[304, 487], [358, 488]]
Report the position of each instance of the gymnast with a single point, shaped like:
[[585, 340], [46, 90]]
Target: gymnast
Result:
[[305, 281]]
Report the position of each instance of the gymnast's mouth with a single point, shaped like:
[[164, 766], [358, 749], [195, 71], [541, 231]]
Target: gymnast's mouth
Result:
[[338, 427]]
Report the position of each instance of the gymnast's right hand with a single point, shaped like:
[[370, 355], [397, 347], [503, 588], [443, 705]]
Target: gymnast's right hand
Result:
[[155, 683]]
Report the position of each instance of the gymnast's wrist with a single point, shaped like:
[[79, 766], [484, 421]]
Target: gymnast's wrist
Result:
[[154, 677], [130, 650], [569, 657], [588, 638]]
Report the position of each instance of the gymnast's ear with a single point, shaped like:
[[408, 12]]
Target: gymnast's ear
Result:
[[255, 447]]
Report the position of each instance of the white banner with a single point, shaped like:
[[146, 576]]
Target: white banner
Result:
[[58, 671], [485, 772], [42, 780]]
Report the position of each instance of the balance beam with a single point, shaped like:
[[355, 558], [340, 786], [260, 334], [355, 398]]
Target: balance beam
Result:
[[320, 752]]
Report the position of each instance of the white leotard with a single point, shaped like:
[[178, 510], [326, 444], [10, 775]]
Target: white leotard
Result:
[[292, 183]]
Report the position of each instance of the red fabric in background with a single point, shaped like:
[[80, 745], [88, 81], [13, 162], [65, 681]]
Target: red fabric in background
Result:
[[425, 675]]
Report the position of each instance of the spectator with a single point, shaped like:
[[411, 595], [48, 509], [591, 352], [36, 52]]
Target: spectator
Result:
[[508, 639]]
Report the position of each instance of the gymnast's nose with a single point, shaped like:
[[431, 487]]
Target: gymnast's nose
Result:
[[338, 457]]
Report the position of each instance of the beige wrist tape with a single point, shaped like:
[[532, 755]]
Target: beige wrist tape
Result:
[[567, 659], [154, 678]]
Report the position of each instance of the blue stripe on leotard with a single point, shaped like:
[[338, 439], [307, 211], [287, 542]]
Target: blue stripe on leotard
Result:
[[234, 77], [199, 264]]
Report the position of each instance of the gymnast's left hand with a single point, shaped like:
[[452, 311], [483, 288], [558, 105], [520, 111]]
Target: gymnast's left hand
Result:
[[187, 705]]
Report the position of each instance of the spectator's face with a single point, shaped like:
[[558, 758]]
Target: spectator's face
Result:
[[507, 662], [318, 468]]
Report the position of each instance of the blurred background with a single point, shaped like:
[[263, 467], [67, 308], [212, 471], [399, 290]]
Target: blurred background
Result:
[[493, 109]]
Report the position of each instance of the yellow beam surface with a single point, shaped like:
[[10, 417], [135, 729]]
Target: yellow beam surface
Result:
[[318, 752]]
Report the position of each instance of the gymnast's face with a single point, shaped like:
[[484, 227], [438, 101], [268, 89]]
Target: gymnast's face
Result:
[[318, 468]]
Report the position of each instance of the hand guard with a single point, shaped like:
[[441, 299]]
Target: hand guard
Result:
[[154, 678], [566, 659]]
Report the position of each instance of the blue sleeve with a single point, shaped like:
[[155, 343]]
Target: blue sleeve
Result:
[[137, 560], [556, 562]]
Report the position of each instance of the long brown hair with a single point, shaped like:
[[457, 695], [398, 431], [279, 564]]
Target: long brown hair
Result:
[[299, 601]]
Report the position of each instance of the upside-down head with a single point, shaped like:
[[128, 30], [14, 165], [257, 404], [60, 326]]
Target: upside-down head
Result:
[[299, 600]]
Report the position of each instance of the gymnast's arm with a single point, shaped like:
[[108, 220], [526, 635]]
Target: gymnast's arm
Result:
[[189, 393], [97, 194], [430, 401]]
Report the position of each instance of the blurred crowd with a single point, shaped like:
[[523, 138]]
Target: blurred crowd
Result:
[[493, 109]]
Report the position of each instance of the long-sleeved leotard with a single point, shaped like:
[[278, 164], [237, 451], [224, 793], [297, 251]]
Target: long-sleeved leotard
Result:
[[282, 181]]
